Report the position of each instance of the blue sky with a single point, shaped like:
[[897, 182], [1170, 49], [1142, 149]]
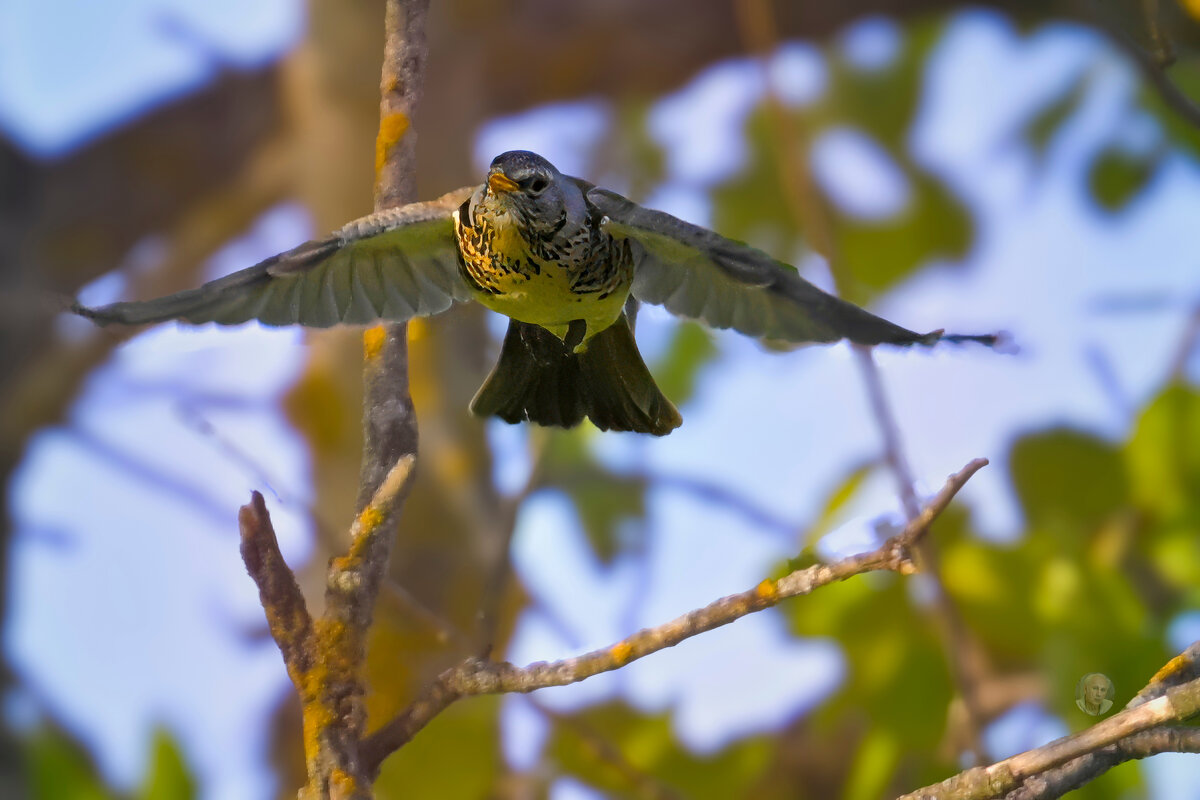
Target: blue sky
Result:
[[1043, 261]]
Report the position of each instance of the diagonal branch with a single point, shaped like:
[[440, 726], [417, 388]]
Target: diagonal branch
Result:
[[287, 614], [1075, 773], [476, 676], [1144, 727]]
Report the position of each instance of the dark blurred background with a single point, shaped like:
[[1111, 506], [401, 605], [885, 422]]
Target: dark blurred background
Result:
[[1027, 167]]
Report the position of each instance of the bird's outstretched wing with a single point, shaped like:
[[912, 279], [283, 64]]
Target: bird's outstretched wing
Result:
[[697, 273], [394, 264]]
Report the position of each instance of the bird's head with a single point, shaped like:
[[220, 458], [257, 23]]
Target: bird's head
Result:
[[529, 186]]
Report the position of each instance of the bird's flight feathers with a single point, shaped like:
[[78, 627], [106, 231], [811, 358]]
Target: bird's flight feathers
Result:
[[697, 273], [395, 264]]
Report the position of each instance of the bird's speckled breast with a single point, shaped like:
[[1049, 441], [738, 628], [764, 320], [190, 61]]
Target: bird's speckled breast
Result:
[[549, 278]]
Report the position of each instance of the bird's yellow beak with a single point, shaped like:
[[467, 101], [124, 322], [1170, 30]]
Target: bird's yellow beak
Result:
[[499, 182]]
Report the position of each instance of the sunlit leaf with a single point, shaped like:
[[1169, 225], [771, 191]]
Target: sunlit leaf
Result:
[[59, 768], [836, 501], [1163, 457], [1068, 479], [168, 777], [617, 749], [874, 764]]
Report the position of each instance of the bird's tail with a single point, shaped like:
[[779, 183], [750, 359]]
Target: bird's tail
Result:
[[541, 379]]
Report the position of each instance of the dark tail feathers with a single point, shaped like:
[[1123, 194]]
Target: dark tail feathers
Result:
[[538, 378]]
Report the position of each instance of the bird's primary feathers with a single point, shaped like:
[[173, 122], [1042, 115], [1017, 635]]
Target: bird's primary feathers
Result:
[[558, 256]]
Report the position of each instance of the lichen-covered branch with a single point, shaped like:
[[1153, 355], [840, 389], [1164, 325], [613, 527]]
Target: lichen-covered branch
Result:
[[325, 656], [1075, 773], [477, 676], [1135, 732], [287, 614]]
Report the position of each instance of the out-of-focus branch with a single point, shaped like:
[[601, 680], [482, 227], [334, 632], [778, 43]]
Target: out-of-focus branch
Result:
[[1161, 49], [963, 652], [1152, 65], [1144, 728], [476, 676], [813, 214], [1187, 346]]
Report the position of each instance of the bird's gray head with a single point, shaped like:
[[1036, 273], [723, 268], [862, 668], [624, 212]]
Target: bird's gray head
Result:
[[529, 186]]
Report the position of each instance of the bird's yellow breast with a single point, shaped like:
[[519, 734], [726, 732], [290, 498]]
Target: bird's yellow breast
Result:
[[583, 283]]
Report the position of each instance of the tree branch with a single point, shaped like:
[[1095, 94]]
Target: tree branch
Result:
[[287, 615], [1075, 773], [1141, 729], [325, 656], [1152, 65], [475, 676]]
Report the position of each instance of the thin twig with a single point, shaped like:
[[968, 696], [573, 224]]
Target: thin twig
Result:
[[1160, 45], [410, 606], [816, 218], [475, 676], [1188, 343], [962, 651], [1148, 64], [503, 527]]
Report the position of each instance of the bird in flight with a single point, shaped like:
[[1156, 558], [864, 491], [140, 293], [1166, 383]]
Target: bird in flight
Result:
[[561, 258]]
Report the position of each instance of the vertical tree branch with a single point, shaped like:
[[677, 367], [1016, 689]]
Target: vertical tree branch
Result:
[[389, 424], [325, 656]]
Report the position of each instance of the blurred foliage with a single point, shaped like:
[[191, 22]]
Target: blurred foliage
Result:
[[458, 755], [648, 759], [872, 254], [61, 770], [1108, 556]]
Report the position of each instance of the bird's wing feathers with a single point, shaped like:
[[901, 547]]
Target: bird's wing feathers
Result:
[[394, 264], [697, 273]]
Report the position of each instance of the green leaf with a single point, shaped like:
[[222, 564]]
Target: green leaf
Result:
[[1185, 74], [874, 255], [879, 254], [874, 764], [1068, 481], [618, 749], [836, 501], [1046, 121], [1116, 177], [1163, 456], [456, 755], [691, 347], [168, 777], [59, 768]]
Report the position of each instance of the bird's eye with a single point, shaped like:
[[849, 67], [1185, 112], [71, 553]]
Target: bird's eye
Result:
[[538, 185]]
